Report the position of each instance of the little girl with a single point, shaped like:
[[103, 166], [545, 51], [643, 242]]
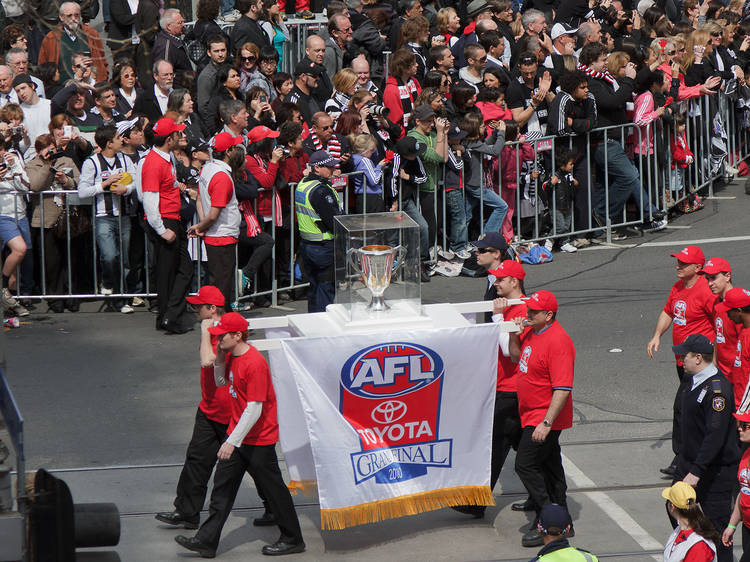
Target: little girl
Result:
[[368, 186], [682, 157], [511, 161]]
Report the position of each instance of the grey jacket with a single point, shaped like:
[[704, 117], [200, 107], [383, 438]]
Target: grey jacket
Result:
[[333, 60], [205, 88], [13, 190], [476, 149]]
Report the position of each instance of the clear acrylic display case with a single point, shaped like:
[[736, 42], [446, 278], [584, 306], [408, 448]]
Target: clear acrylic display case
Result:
[[377, 268]]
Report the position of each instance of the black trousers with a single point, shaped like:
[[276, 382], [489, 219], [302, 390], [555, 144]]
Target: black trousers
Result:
[[539, 466], [506, 432], [261, 462], [174, 271], [685, 383], [714, 493], [221, 266], [200, 458], [254, 251]]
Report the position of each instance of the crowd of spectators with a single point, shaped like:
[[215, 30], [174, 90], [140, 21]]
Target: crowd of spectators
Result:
[[424, 103]]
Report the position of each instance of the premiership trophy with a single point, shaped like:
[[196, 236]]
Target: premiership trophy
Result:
[[376, 265]]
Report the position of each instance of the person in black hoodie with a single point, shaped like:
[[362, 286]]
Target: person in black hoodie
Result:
[[623, 178]]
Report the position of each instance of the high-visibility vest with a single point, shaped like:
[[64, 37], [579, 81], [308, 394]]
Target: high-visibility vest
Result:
[[570, 554], [307, 216]]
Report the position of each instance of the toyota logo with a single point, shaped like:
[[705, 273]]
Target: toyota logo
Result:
[[388, 412]]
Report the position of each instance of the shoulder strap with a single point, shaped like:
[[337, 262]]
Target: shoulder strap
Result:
[[716, 385]]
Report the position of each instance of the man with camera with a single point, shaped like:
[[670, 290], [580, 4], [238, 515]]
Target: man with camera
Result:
[[108, 177]]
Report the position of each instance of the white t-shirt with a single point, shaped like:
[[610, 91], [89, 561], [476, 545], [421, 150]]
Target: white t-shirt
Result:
[[36, 118]]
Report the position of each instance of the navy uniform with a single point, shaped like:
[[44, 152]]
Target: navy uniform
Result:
[[709, 448], [316, 203]]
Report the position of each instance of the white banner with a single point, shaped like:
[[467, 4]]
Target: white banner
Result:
[[394, 428]]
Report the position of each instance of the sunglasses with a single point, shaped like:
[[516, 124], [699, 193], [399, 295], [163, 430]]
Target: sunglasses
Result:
[[485, 250], [671, 53], [249, 59], [326, 128], [716, 34], [744, 426]]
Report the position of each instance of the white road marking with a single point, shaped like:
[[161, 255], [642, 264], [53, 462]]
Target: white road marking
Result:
[[663, 244], [721, 197], [612, 509], [679, 227]]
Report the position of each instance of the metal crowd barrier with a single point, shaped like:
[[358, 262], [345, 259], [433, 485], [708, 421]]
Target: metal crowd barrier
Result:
[[532, 220]]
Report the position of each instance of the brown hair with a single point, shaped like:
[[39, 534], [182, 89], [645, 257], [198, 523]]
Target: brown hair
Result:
[[58, 121], [401, 62], [471, 123]]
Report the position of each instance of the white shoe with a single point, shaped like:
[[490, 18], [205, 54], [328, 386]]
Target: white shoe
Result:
[[463, 254], [7, 300], [549, 244], [433, 253], [138, 301], [581, 242], [126, 309], [446, 254], [103, 291], [232, 16], [21, 310], [569, 248]]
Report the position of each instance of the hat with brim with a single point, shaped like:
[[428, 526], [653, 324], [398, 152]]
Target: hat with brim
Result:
[[410, 146], [322, 158], [742, 416], [493, 240], [230, 322], [477, 7], [734, 298], [542, 300], [23, 79], [690, 254], [716, 265], [680, 494], [208, 294], [166, 126], [694, 343], [224, 141]]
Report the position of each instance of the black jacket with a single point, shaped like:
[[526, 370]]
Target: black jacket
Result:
[[147, 105], [248, 30], [122, 104], [172, 49], [583, 114], [610, 105], [709, 438]]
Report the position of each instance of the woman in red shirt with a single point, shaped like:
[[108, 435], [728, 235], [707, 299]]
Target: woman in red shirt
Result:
[[694, 539], [741, 513]]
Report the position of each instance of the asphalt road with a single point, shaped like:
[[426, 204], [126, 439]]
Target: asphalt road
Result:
[[104, 390]]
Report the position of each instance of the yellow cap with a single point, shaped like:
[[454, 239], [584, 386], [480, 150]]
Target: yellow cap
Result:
[[126, 179], [679, 494]]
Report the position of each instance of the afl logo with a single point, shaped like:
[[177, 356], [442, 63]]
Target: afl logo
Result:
[[388, 412], [390, 370]]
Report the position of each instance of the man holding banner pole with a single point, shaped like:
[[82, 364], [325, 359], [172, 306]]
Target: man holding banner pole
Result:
[[546, 358]]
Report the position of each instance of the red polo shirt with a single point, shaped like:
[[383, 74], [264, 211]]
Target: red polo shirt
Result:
[[725, 338], [250, 381], [692, 311], [741, 366], [157, 175], [506, 368], [215, 401], [546, 364]]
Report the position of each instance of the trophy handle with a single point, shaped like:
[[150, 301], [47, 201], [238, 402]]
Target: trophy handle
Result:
[[400, 255], [350, 258]]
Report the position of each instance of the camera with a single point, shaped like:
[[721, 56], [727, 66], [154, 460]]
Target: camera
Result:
[[55, 154], [3, 166], [379, 110], [16, 131], [286, 151]]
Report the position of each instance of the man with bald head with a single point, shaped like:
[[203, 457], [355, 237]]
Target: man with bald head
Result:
[[315, 50], [361, 68], [7, 93], [484, 23], [69, 38]]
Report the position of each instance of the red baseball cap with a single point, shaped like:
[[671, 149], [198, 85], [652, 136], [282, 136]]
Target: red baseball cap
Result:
[[735, 298], [230, 322], [165, 127], [509, 268], [690, 254], [742, 416], [208, 294], [224, 141], [261, 132], [542, 300], [716, 265]]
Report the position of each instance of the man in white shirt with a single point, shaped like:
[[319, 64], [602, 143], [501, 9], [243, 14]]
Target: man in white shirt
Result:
[[18, 61], [36, 111], [108, 178]]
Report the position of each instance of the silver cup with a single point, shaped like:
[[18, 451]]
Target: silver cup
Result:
[[376, 266]]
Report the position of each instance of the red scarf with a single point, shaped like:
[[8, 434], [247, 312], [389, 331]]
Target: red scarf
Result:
[[591, 73]]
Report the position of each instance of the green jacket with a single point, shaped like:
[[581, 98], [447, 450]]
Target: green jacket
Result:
[[433, 163]]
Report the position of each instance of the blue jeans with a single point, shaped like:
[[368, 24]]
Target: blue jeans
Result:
[[624, 181], [456, 210], [492, 200], [10, 228], [108, 231], [317, 263], [410, 208]]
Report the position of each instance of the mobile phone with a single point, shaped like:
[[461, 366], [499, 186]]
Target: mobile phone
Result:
[[67, 131], [86, 54], [263, 98], [54, 170]]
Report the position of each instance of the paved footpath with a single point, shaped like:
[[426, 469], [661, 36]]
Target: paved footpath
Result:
[[109, 405]]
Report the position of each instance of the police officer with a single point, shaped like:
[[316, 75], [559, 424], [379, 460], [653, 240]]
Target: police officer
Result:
[[554, 526], [709, 453], [316, 203]]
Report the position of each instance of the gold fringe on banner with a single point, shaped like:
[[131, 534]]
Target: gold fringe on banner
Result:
[[304, 486], [412, 504]]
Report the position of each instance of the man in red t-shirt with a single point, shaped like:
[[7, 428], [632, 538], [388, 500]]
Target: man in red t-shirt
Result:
[[211, 420], [161, 202], [718, 273], [546, 360], [736, 305], [220, 226], [689, 310], [251, 445]]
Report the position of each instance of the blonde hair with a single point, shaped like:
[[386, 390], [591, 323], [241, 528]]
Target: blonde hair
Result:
[[700, 37], [363, 143], [616, 61], [443, 17], [344, 80]]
